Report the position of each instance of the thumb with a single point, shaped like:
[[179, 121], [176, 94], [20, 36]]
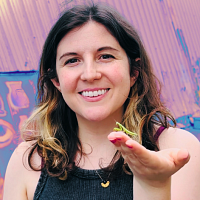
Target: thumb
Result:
[[182, 158]]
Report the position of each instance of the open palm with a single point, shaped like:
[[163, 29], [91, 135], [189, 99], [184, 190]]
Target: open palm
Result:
[[149, 166]]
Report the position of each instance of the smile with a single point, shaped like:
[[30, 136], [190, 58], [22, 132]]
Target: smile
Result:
[[93, 93]]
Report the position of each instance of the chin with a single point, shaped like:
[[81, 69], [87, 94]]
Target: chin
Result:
[[96, 116]]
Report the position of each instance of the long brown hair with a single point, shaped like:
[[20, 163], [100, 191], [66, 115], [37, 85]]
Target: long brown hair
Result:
[[54, 125]]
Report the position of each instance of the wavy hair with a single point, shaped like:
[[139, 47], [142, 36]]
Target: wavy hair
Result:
[[54, 125]]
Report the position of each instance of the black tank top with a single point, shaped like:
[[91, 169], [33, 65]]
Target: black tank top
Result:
[[84, 184]]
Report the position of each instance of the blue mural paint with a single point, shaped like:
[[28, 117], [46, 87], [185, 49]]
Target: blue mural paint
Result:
[[196, 123], [28, 82], [23, 73], [184, 120], [181, 40], [182, 43], [5, 155], [197, 62], [1, 131]]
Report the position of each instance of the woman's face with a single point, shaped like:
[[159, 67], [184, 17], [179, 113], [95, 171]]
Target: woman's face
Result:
[[93, 73]]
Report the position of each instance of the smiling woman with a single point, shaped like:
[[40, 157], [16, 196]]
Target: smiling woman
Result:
[[103, 65], [94, 72]]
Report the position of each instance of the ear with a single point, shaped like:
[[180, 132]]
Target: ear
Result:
[[133, 78], [56, 83], [137, 59], [135, 74]]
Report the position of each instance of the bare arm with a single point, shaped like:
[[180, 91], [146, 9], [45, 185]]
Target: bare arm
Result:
[[144, 191], [186, 182], [152, 170], [20, 180]]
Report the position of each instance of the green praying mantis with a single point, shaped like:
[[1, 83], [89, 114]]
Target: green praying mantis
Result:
[[122, 128]]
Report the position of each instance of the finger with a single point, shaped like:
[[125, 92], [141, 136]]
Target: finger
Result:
[[143, 155], [118, 138], [118, 135], [181, 158], [130, 148], [138, 149]]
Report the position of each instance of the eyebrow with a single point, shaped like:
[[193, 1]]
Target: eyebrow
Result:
[[107, 48], [98, 50], [68, 54]]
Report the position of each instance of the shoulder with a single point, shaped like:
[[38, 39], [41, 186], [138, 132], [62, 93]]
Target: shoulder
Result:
[[177, 138], [182, 139], [18, 172], [187, 178], [20, 156]]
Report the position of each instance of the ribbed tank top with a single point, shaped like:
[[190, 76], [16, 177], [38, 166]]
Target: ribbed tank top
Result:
[[82, 184]]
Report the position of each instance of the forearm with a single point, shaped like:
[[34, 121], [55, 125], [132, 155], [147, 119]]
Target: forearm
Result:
[[144, 191]]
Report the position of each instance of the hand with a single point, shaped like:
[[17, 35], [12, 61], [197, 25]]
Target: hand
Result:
[[150, 167]]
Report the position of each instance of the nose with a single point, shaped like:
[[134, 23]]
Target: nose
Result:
[[90, 72]]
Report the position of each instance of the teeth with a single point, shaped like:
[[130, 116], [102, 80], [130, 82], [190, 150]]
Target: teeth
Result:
[[93, 93]]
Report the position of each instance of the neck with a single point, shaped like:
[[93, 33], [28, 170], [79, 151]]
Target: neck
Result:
[[95, 144]]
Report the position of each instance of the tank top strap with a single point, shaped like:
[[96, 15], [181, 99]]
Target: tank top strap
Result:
[[41, 184], [158, 133]]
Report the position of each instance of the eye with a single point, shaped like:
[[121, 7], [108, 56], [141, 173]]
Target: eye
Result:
[[71, 61], [107, 56]]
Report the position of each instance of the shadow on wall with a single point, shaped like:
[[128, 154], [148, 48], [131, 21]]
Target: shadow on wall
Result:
[[17, 99]]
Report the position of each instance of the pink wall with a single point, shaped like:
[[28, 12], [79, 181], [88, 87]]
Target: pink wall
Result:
[[168, 28], [170, 31]]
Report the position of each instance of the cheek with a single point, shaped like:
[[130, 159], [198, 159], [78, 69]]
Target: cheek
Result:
[[67, 83], [117, 74], [121, 79], [120, 76]]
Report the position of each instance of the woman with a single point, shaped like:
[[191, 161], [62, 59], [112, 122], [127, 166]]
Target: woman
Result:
[[94, 72]]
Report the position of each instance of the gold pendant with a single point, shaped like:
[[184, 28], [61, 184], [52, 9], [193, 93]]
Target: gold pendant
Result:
[[105, 184]]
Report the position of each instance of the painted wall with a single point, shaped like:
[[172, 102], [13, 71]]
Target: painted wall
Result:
[[169, 29]]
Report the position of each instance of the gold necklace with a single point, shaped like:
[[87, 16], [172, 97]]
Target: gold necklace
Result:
[[104, 183]]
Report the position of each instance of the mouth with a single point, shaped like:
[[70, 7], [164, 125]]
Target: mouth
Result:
[[94, 93]]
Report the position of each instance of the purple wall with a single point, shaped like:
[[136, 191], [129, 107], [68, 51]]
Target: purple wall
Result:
[[170, 31]]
